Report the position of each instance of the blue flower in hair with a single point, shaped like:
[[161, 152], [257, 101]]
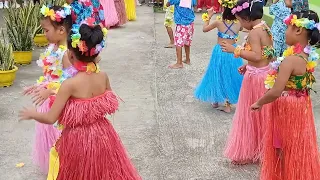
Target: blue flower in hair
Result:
[[101, 14], [311, 24], [77, 7], [95, 3], [87, 12]]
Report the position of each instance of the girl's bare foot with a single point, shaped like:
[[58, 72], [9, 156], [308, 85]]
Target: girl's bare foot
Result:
[[227, 109], [176, 66], [187, 62], [169, 46], [215, 105]]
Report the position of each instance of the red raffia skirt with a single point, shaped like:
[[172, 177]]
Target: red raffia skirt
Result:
[[291, 150], [245, 141]]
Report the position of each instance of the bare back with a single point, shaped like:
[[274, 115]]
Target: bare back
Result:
[[230, 28], [89, 85]]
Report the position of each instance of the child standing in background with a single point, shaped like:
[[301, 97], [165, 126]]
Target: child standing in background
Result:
[[222, 81], [183, 18], [278, 29], [168, 22]]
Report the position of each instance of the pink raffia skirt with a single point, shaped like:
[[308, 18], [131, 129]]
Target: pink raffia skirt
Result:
[[110, 13], [121, 12], [45, 137], [246, 136]]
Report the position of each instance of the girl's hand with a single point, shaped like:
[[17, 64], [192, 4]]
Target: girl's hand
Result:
[[211, 12], [256, 107], [29, 89], [242, 69], [27, 113], [40, 96], [226, 47]]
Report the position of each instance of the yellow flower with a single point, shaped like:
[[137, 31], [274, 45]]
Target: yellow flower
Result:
[[62, 47], [19, 165], [311, 65], [54, 85], [40, 80], [288, 52], [205, 17], [105, 31], [294, 19], [91, 67]]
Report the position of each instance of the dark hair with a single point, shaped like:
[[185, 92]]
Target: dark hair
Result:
[[91, 35], [227, 14], [253, 12], [65, 22], [313, 35]]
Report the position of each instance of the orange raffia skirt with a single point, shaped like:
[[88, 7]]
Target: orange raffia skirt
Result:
[[291, 150]]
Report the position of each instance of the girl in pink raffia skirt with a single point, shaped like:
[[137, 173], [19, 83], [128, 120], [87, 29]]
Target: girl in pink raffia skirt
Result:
[[89, 148], [110, 13], [245, 141]]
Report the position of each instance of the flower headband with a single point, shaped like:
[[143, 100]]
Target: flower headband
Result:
[[77, 42], [245, 5], [228, 3], [58, 15], [303, 22]]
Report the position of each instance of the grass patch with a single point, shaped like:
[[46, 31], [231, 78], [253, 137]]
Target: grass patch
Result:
[[315, 2]]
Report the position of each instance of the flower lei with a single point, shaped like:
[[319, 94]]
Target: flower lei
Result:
[[84, 9], [240, 8], [50, 62], [58, 15], [303, 22], [228, 21], [205, 17], [245, 5], [292, 50], [228, 3], [77, 42]]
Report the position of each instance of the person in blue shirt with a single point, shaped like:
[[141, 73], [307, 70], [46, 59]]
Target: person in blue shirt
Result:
[[183, 18]]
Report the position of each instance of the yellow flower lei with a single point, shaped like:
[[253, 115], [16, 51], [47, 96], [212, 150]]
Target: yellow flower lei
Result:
[[228, 3], [311, 64], [228, 21], [205, 17]]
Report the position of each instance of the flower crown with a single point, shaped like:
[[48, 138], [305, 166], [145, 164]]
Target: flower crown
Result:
[[303, 22], [58, 15], [228, 3], [245, 5], [77, 42]]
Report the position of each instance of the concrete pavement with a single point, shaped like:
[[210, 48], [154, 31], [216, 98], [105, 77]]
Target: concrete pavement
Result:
[[168, 134]]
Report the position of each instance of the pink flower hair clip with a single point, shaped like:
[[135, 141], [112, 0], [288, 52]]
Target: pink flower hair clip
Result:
[[240, 8]]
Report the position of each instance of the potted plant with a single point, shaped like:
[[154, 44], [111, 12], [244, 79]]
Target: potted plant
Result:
[[21, 28], [7, 68], [40, 39]]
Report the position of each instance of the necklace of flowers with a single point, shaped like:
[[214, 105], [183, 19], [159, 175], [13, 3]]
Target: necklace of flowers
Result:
[[292, 50], [50, 62]]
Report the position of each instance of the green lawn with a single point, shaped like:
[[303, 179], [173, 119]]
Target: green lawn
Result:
[[315, 2]]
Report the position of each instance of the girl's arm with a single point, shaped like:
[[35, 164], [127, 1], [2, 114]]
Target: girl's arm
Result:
[[208, 27], [108, 83], [52, 116], [284, 74], [255, 54], [65, 61], [288, 3]]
